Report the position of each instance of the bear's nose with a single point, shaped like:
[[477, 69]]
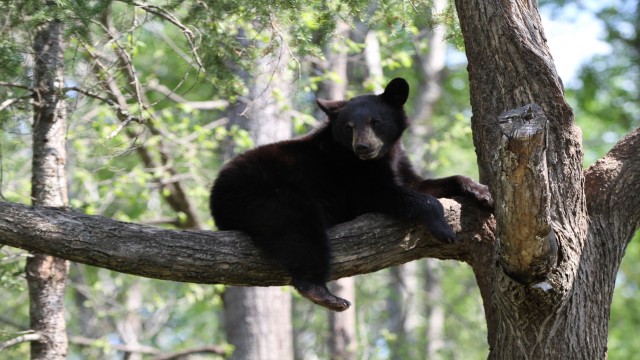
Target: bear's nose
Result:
[[362, 148]]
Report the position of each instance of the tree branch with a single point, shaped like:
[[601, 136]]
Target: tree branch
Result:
[[145, 349], [16, 85], [612, 187], [21, 339], [367, 244]]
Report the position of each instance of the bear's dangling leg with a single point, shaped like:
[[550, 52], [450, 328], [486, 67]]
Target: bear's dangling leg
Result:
[[290, 229], [319, 294], [303, 251]]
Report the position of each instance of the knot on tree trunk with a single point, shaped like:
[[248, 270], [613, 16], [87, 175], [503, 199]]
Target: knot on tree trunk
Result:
[[527, 246]]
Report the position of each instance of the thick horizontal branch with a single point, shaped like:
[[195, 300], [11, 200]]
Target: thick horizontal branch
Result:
[[367, 244]]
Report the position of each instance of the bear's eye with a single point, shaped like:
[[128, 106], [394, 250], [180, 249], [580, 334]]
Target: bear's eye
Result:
[[375, 122]]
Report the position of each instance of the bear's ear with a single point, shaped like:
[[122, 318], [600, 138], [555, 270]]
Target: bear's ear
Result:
[[397, 92], [331, 106]]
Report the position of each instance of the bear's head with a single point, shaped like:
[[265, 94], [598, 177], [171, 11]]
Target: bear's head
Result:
[[369, 125]]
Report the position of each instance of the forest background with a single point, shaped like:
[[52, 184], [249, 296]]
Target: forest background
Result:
[[160, 96]]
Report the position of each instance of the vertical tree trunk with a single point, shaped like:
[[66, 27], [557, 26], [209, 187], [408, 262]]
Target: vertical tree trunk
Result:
[[548, 296], [258, 319], [130, 325], [403, 309], [342, 325], [258, 322], [46, 275], [435, 313]]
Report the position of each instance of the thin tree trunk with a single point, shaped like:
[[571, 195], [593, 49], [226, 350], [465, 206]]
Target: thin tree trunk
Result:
[[258, 319], [46, 275], [130, 325], [435, 313], [403, 310], [343, 344]]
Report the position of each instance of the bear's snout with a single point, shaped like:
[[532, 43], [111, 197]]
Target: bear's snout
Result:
[[366, 144]]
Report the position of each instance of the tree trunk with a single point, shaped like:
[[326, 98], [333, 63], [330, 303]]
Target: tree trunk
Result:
[[403, 310], [548, 296], [435, 312], [258, 320], [255, 325], [343, 344], [46, 275], [129, 326]]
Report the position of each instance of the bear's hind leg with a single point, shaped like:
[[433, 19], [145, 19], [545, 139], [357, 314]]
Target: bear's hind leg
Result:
[[305, 255], [319, 294]]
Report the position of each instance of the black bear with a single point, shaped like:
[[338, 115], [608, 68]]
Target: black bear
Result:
[[285, 195]]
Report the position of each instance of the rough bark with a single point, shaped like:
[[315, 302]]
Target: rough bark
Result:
[[46, 275], [367, 244], [564, 313]]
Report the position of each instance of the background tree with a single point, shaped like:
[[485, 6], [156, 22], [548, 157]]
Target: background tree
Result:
[[47, 275]]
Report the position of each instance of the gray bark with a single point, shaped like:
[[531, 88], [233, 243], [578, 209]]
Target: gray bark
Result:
[[366, 244], [46, 275], [255, 325]]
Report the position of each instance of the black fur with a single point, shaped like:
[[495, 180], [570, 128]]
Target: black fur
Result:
[[285, 195]]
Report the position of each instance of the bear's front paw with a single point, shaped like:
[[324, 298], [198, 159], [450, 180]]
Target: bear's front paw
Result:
[[480, 193]]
